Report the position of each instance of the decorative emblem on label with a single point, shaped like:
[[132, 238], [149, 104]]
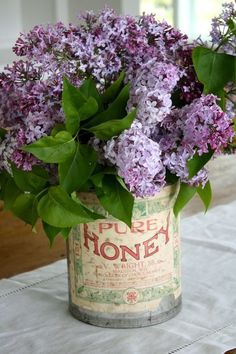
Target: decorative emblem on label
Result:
[[131, 296]]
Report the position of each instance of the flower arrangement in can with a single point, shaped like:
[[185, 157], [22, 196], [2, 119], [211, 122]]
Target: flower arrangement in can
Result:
[[118, 105]]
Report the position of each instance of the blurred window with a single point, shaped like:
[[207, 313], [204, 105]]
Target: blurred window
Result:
[[164, 9], [190, 16]]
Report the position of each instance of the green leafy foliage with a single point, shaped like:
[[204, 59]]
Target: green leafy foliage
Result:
[[214, 70], [232, 25], [222, 99], [72, 101], [121, 181], [87, 187], [25, 208], [3, 132], [65, 232], [77, 104], [30, 181], [74, 172], [112, 91], [58, 128], [8, 190], [171, 178], [3, 178], [52, 232], [88, 109], [116, 199], [198, 162], [185, 194], [98, 177], [56, 208], [234, 73], [116, 110], [88, 88], [205, 194], [53, 149], [97, 180], [107, 130]]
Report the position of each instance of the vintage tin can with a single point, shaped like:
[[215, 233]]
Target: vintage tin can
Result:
[[121, 277]]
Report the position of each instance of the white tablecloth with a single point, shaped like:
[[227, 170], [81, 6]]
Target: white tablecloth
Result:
[[34, 317]]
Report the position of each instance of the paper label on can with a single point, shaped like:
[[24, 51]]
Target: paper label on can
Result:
[[115, 268]]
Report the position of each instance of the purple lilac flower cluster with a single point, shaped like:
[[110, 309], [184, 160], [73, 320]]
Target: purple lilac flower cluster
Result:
[[195, 128], [157, 61], [138, 160], [151, 91], [220, 34]]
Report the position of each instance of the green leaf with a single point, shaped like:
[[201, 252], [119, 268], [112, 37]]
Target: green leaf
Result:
[[53, 149], [4, 176], [74, 172], [88, 109], [112, 91], [234, 78], [107, 130], [72, 100], [25, 208], [222, 102], [234, 124], [30, 181], [3, 132], [52, 232], [9, 191], [186, 193], [56, 208], [198, 162], [87, 187], [88, 209], [122, 183], [89, 89], [171, 178], [232, 25], [115, 199], [98, 177], [213, 69], [205, 194], [57, 128], [65, 232], [116, 109]]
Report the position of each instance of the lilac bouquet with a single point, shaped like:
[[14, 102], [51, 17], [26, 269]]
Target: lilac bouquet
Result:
[[118, 105]]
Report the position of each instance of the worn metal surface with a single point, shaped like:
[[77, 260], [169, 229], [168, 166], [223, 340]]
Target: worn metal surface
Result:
[[169, 308]]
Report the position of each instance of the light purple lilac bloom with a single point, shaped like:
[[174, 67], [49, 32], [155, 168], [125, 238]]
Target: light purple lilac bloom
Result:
[[138, 161], [195, 128], [151, 91]]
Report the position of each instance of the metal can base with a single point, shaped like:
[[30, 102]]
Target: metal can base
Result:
[[126, 320]]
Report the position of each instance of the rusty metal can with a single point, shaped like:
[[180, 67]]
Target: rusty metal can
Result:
[[125, 277]]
